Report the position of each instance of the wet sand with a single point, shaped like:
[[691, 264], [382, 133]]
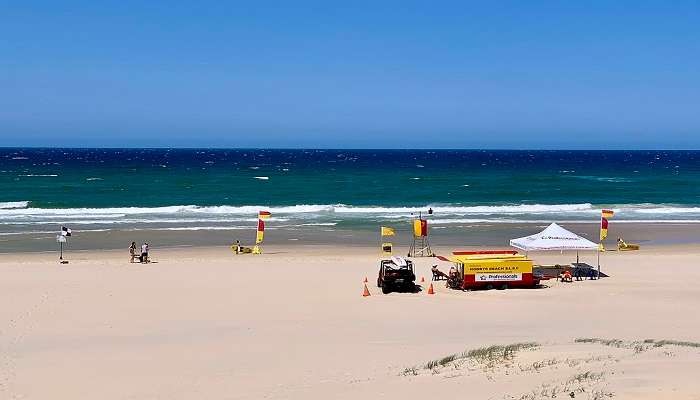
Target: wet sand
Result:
[[445, 235]]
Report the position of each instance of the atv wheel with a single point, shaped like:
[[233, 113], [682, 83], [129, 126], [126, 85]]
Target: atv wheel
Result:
[[386, 289]]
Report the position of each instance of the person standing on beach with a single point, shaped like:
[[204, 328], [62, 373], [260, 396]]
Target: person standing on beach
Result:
[[144, 252], [132, 252]]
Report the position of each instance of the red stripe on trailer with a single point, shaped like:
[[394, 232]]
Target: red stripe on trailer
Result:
[[441, 258], [469, 253]]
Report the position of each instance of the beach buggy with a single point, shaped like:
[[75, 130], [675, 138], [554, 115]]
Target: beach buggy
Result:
[[396, 274]]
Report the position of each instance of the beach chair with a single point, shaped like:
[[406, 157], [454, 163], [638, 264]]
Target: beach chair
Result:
[[439, 276]]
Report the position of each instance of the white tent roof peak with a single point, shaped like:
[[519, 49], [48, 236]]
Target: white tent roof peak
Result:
[[554, 237]]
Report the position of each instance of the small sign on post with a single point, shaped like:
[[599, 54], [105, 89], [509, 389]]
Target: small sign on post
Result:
[[61, 239]]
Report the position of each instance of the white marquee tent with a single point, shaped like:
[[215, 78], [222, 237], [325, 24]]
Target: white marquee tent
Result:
[[554, 237]]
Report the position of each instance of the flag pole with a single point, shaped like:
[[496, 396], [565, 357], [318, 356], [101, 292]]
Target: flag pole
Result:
[[599, 245]]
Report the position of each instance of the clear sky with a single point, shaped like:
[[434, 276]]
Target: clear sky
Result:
[[560, 74]]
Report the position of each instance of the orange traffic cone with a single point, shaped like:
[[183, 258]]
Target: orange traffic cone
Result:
[[422, 279], [366, 292], [430, 289], [365, 281]]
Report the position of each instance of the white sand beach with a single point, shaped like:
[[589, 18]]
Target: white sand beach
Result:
[[292, 324]]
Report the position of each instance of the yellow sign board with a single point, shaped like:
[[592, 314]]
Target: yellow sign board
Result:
[[497, 266], [387, 249]]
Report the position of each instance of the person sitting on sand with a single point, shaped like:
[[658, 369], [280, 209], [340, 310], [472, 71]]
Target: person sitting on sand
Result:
[[566, 276], [452, 277], [144, 252], [132, 252]]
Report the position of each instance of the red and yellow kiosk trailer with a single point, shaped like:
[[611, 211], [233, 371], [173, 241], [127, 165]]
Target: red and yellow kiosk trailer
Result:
[[492, 269]]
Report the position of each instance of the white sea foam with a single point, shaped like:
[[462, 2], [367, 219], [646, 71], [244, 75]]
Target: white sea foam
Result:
[[39, 175], [11, 205], [610, 179], [262, 178], [168, 210], [21, 208], [665, 210], [20, 215], [508, 209]]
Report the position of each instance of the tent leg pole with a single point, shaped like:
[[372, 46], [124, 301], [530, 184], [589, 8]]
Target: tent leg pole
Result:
[[599, 263]]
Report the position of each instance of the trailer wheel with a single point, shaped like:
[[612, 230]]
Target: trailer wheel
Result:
[[489, 286], [504, 286]]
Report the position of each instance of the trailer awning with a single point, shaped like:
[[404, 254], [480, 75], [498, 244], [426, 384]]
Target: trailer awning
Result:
[[554, 237]]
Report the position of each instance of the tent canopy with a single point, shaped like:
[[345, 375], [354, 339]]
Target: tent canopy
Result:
[[554, 237]]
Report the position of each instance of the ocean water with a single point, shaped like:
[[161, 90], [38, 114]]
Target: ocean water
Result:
[[207, 189]]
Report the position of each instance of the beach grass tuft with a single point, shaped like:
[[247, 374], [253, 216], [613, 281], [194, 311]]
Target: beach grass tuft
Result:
[[638, 346], [485, 356], [680, 343], [605, 342]]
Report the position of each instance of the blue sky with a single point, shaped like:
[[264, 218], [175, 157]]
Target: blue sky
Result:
[[561, 74]]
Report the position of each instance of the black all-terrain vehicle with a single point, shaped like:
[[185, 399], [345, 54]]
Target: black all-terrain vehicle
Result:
[[396, 274]]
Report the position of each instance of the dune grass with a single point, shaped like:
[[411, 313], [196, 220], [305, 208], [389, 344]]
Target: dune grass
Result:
[[636, 345], [622, 343], [486, 356], [666, 342], [605, 342]]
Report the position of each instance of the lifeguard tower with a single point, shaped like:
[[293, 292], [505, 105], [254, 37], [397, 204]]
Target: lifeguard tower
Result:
[[420, 246]]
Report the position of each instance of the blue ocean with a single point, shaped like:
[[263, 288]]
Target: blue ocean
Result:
[[210, 189]]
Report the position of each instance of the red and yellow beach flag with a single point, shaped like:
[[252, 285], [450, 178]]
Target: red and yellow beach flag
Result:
[[264, 215], [605, 215], [420, 228], [261, 231]]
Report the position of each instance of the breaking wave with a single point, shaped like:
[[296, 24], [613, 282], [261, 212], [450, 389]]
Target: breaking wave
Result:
[[21, 208], [11, 205], [21, 216]]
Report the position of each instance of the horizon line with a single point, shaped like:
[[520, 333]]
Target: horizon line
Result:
[[339, 148]]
